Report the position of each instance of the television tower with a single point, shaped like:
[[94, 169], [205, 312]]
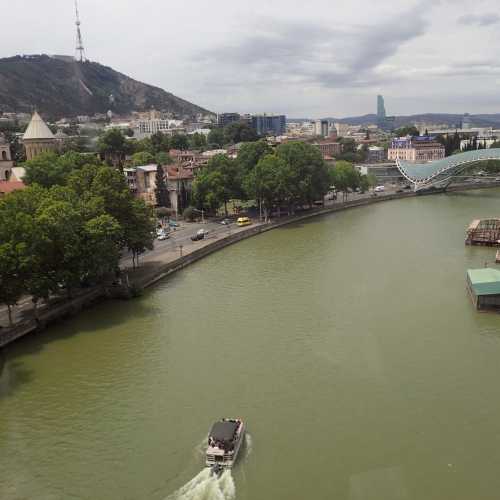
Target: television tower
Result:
[[80, 51]]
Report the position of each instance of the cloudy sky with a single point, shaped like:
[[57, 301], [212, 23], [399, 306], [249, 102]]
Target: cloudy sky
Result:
[[303, 58]]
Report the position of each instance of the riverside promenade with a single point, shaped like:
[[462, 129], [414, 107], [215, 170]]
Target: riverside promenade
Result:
[[167, 258]]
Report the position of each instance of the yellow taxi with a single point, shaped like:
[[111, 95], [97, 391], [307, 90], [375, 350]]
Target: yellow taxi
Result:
[[243, 221]]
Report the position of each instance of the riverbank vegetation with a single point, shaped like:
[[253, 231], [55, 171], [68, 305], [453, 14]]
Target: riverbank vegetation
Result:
[[290, 176], [68, 228]]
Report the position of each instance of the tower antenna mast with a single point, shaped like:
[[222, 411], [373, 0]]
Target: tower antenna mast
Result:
[[80, 51]]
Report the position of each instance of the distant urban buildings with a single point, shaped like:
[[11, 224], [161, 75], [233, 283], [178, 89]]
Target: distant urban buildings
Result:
[[224, 119], [416, 149], [376, 154], [322, 128], [269, 124]]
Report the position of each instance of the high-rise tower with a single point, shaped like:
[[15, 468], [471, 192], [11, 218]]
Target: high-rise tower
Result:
[[80, 51], [380, 108]]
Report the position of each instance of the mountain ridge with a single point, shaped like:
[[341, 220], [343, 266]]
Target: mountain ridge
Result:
[[63, 87]]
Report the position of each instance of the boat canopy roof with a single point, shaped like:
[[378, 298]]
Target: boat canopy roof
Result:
[[224, 431]]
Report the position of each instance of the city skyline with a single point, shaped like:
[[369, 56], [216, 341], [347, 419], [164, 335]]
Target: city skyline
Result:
[[323, 62]]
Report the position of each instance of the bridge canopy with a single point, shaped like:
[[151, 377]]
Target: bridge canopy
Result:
[[437, 171]]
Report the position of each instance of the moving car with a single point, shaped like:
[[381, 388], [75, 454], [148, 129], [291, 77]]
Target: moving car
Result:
[[243, 221], [200, 235], [379, 189], [224, 443], [225, 222]]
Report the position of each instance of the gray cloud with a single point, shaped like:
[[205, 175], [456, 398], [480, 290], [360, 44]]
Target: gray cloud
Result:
[[310, 53], [487, 19]]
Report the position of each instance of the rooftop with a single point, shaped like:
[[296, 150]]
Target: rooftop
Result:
[[9, 186], [485, 281], [37, 129]]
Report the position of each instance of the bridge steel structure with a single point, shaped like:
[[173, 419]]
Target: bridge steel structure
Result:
[[439, 174]]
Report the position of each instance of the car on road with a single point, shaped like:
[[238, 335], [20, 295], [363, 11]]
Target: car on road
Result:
[[199, 235], [243, 221], [379, 189], [163, 236], [173, 223], [225, 222]]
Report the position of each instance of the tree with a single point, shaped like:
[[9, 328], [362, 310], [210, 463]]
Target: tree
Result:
[[208, 190], [251, 152], [197, 141], [216, 138], [179, 141], [139, 230], [114, 147], [270, 183], [13, 268], [159, 143], [239, 132], [310, 175], [142, 158], [408, 130], [161, 191], [163, 158]]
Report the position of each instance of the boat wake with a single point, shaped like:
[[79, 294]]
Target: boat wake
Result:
[[248, 445], [206, 486]]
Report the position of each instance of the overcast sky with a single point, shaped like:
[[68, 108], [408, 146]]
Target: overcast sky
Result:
[[310, 58]]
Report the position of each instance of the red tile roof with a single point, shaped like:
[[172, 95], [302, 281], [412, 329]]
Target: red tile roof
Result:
[[9, 186]]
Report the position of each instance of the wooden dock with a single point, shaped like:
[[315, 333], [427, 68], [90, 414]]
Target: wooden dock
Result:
[[483, 232]]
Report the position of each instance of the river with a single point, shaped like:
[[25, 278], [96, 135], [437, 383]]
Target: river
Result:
[[348, 344]]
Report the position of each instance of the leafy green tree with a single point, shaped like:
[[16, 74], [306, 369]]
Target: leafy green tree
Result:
[[251, 152], [239, 132], [114, 146], [208, 190], [270, 183], [163, 158], [159, 143], [179, 141], [216, 138], [161, 191], [310, 179], [408, 130], [197, 141], [142, 158], [13, 269], [139, 229]]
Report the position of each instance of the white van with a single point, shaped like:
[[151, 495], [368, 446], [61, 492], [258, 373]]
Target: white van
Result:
[[379, 189]]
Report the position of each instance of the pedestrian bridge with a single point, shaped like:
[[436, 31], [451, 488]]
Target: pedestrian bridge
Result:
[[440, 173]]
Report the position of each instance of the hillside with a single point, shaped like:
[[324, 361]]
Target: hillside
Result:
[[62, 87]]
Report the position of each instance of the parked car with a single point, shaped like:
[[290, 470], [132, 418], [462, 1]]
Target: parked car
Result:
[[173, 223], [163, 236], [379, 189], [225, 222]]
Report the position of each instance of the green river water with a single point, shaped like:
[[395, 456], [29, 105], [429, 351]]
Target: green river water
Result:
[[348, 344]]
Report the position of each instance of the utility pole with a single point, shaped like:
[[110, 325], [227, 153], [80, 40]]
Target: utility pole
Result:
[[80, 51]]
